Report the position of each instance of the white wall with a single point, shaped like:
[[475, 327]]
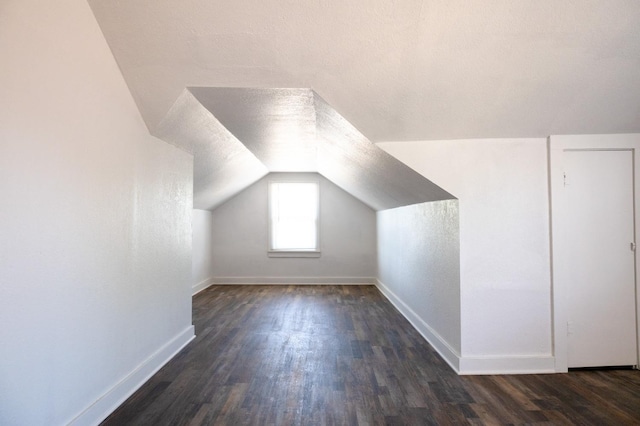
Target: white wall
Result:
[[502, 187], [419, 270], [202, 259], [347, 240], [95, 252]]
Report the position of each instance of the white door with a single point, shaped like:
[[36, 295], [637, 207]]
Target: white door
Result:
[[598, 191]]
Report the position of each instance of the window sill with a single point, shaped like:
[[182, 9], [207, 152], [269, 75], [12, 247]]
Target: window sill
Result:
[[285, 253]]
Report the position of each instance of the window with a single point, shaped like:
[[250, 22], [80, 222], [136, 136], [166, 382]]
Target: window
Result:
[[293, 219]]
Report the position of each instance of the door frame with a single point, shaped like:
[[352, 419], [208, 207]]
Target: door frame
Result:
[[557, 145]]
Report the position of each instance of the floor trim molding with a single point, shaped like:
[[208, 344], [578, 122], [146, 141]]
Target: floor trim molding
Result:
[[119, 392], [523, 364], [430, 335], [202, 285], [294, 280]]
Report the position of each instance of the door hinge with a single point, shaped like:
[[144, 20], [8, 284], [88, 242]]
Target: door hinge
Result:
[[570, 328], [564, 178], [632, 245]]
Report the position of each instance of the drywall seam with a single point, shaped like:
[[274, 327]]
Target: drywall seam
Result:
[[202, 285], [520, 364], [119, 392], [294, 280], [446, 351]]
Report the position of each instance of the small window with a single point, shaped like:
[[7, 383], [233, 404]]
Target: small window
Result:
[[293, 219]]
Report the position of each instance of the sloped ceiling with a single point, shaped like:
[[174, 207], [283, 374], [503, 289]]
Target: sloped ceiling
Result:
[[222, 165], [238, 135], [387, 71], [277, 125], [396, 70]]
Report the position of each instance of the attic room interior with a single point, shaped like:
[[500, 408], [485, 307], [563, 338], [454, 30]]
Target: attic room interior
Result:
[[470, 252]]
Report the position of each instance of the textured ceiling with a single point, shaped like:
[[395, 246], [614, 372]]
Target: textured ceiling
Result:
[[277, 125], [238, 135], [396, 70], [222, 165]]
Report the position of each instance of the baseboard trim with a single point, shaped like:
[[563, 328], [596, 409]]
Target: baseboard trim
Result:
[[201, 286], [523, 364], [449, 354], [294, 280], [118, 393]]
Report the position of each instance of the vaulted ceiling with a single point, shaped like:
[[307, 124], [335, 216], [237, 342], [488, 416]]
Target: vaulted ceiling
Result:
[[205, 76]]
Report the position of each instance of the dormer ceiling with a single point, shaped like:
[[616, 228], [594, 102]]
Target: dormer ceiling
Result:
[[238, 135], [277, 125]]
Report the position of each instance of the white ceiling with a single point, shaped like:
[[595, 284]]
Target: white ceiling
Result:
[[396, 70]]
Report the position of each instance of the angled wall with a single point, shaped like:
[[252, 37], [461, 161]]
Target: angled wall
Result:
[[95, 259]]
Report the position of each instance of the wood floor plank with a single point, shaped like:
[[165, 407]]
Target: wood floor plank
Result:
[[343, 355]]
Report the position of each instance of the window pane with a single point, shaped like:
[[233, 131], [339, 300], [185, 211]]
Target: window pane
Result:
[[295, 235], [294, 215]]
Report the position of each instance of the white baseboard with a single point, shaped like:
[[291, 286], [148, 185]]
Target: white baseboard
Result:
[[471, 365], [524, 364], [294, 280], [119, 392], [201, 286], [449, 354]]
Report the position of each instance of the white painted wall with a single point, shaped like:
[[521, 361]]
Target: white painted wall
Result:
[[347, 240], [502, 188], [419, 270], [95, 252], [202, 259]]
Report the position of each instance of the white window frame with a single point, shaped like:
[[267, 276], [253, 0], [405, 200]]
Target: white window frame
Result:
[[271, 252]]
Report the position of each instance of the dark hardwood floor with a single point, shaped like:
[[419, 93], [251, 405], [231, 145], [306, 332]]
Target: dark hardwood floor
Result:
[[343, 355]]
